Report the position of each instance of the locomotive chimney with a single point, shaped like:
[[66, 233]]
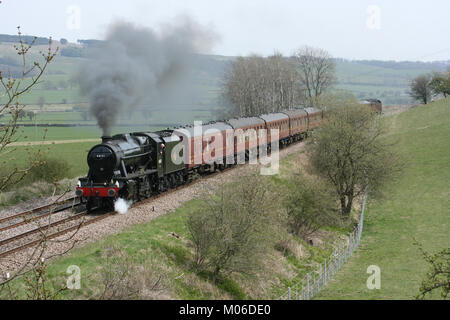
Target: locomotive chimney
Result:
[[105, 139]]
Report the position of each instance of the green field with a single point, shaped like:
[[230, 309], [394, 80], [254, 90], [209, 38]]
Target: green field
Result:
[[73, 133], [415, 207], [73, 153]]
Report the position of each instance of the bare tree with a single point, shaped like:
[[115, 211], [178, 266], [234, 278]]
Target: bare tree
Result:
[[421, 89], [12, 90], [351, 154], [317, 71], [254, 85], [33, 266]]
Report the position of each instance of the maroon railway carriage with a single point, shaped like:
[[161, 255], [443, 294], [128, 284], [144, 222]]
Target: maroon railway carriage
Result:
[[315, 117], [298, 123], [375, 104], [203, 152], [278, 121], [247, 140]]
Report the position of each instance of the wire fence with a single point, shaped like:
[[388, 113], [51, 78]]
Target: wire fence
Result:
[[314, 282]]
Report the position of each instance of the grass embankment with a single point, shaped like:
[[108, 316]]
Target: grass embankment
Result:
[[152, 244], [417, 206]]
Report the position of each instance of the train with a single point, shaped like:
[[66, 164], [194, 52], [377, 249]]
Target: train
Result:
[[138, 165], [375, 104]]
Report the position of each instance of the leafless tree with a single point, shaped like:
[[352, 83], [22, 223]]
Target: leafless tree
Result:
[[255, 85], [12, 89], [33, 268], [317, 71]]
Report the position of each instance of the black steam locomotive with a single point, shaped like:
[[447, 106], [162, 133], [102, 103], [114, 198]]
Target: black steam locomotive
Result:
[[130, 166]]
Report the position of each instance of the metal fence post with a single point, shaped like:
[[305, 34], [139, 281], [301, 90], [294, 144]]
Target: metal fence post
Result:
[[303, 289], [307, 286]]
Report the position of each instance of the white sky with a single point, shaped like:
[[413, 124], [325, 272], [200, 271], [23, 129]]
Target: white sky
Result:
[[353, 29]]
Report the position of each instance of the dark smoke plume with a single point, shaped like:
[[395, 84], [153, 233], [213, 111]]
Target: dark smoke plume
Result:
[[136, 65]]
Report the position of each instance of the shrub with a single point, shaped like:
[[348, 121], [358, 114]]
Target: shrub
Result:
[[233, 229], [121, 278], [49, 170], [309, 205]]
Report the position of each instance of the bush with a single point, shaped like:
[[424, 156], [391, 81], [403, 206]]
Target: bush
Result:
[[49, 170], [232, 230], [122, 279], [310, 205]]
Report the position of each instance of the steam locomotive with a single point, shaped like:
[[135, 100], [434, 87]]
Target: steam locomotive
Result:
[[135, 166]]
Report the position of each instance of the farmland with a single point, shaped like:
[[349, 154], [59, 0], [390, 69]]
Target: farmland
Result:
[[365, 79]]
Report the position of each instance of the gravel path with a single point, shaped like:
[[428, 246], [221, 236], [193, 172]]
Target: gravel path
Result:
[[140, 213]]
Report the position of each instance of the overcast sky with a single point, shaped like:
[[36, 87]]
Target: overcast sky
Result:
[[353, 29]]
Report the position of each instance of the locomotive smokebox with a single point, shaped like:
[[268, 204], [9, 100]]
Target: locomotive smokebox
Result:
[[105, 139]]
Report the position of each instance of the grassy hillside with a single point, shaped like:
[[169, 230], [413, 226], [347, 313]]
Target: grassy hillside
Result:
[[417, 206]]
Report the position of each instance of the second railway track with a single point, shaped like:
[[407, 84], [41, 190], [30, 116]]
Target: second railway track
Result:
[[35, 214]]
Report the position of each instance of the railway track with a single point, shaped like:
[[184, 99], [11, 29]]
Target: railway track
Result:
[[69, 224], [35, 214], [43, 233]]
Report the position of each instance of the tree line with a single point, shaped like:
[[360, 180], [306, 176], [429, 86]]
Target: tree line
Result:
[[25, 39], [255, 85]]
